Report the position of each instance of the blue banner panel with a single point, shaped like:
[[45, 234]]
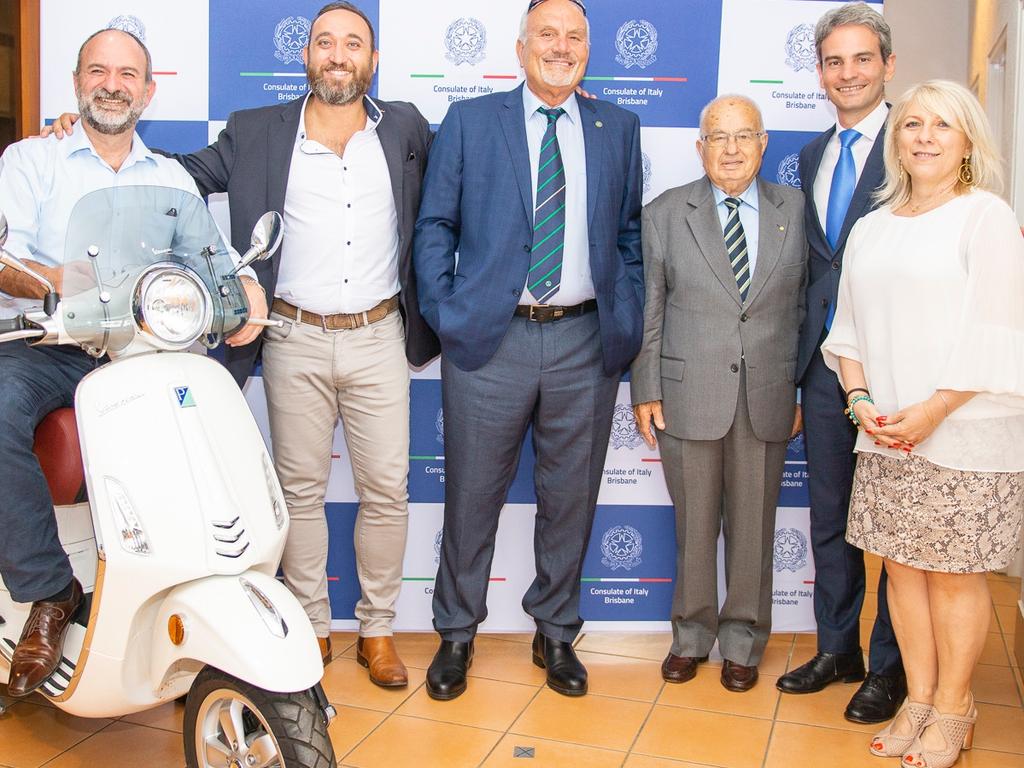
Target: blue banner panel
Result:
[[781, 159], [654, 58], [256, 52], [174, 136], [342, 582], [630, 564], [793, 492]]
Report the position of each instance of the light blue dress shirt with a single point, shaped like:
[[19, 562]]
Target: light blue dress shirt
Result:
[[577, 282], [748, 217], [41, 180]]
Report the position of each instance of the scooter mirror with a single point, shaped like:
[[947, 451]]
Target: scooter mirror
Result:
[[18, 266], [266, 239]]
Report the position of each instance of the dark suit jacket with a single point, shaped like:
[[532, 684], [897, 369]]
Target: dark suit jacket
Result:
[[250, 161], [697, 328], [478, 201], [824, 264]]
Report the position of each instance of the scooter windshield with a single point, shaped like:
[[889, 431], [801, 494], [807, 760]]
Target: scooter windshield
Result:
[[117, 235]]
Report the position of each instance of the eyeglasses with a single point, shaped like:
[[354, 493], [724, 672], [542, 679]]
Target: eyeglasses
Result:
[[743, 138], [579, 3]]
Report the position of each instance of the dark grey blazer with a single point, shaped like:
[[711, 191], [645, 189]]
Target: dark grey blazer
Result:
[[697, 330], [250, 160]]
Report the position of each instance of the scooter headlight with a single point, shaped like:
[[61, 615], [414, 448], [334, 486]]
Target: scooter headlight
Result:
[[173, 305]]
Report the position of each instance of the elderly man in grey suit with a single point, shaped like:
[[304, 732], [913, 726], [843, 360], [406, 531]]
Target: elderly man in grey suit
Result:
[[724, 264]]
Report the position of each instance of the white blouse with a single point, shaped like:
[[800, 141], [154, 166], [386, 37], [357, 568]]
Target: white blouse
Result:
[[936, 301]]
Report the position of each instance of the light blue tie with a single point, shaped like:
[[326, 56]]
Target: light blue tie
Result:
[[844, 181]]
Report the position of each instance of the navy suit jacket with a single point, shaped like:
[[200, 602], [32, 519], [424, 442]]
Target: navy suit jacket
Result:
[[478, 202], [824, 264]]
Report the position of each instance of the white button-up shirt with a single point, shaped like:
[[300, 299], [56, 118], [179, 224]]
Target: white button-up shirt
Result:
[[868, 128], [577, 283], [340, 252], [41, 180]]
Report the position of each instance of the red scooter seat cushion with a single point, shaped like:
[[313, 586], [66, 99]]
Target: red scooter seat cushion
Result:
[[60, 456]]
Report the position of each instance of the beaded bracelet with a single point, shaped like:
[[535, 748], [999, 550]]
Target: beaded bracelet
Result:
[[857, 389], [849, 410]]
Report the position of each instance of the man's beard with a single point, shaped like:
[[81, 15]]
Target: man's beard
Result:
[[355, 87], [105, 120], [557, 78]]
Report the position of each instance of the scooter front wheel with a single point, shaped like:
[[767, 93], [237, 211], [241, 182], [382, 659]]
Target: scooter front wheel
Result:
[[231, 724]]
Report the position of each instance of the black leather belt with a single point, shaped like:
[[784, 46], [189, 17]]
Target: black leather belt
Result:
[[545, 313]]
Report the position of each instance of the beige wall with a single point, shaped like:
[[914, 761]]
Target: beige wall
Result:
[[930, 39]]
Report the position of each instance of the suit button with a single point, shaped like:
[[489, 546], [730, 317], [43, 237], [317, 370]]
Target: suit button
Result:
[[824, 303], [744, 318], [515, 291], [835, 265], [526, 248], [734, 368]]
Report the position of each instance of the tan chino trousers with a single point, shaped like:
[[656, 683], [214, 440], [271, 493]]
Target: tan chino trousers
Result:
[[312, 377]]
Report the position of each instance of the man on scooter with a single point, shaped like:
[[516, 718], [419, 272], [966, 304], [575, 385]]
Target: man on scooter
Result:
[[41, 180]]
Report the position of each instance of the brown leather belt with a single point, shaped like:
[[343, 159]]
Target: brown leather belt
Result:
[[339, 322], [544, 313]]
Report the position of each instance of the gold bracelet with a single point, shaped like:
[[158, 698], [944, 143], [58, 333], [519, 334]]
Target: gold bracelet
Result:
[[943, 399]]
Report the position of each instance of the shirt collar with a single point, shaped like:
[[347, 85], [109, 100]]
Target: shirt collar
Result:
[[531, 104], [871, 125], [79, 142], [374, 115], [749, 195]]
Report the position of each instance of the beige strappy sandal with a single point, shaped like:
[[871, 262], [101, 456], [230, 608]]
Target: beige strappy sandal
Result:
[[885, 743], [958, 733]]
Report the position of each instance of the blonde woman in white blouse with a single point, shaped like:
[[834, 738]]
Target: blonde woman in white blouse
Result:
[[928, 342]]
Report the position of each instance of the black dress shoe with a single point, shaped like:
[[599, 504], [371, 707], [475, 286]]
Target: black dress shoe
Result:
[[823, 669], [566, 673], [446, 677], [877, 699]]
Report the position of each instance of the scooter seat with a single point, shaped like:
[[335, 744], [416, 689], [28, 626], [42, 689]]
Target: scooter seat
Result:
[[60, 456]]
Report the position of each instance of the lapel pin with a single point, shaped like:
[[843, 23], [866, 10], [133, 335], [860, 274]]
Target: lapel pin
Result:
[[599, 124], [781, 228]]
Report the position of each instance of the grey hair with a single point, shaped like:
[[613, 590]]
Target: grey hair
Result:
[[142, 45], [854, 13], [523, 25], [731, 97]]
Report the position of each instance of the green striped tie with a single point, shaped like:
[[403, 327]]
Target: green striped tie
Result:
[[736, 247], [545, 274]]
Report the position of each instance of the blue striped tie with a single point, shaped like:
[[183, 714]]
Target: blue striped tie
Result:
[[736, 247], [545, 275]]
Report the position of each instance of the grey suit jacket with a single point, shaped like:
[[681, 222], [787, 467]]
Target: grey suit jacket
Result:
[[697, 332], [250, 161]]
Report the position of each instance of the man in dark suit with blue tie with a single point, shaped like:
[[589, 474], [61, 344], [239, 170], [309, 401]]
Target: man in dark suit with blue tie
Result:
[[538, 192], [840, 170]]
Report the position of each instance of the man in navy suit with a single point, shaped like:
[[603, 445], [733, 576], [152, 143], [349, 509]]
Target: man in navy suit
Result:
[[840, 170], [528, 261]]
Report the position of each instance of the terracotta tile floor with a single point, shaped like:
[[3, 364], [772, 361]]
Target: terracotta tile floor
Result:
[[629, 719]]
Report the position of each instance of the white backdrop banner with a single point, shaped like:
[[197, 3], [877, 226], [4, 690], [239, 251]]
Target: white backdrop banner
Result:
[[663, 59]]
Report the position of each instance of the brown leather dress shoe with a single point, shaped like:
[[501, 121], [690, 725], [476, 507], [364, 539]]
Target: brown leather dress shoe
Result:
[[737, 677], [379, 655], [42, 641], [679, 669], [326, 651]]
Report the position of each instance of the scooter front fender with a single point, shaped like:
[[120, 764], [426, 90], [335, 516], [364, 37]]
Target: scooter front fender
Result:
[[249, 626]]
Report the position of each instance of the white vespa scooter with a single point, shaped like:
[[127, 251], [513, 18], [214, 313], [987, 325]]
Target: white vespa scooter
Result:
[[179, 540]]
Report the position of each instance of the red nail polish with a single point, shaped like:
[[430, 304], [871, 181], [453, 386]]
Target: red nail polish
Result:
[[877, 443]]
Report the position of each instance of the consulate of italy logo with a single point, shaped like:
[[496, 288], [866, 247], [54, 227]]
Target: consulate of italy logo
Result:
[[637, 42], [466, 41], [624, 434], [648, 171], [800, 52], [621, 547], [438, 537], [789, 171], [290, 36], [790, 550], [128, 23], [439, 425]]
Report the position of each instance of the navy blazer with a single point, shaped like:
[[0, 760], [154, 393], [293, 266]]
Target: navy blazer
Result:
[[478, 202], [251, 160], [824, 265]]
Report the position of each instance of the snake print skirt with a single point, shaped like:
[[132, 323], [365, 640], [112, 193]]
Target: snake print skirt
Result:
[[934, 518]]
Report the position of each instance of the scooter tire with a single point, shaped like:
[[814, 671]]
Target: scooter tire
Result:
[[294, 721]]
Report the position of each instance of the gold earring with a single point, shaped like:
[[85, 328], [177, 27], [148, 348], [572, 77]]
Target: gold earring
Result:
[[899, 162], [966, 173]]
